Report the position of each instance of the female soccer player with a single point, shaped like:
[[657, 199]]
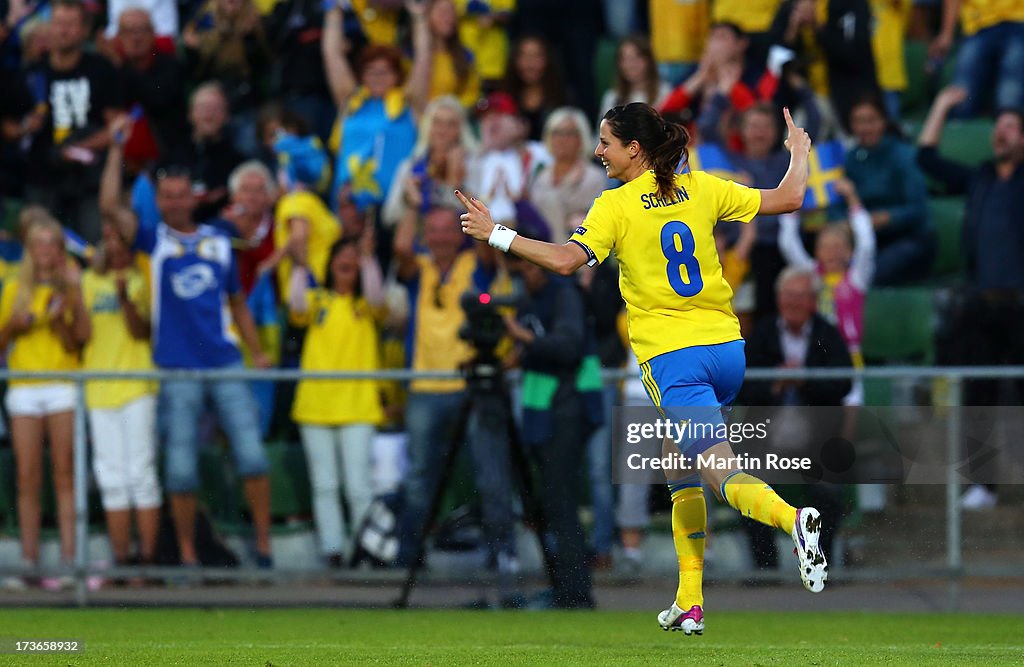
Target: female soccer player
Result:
[[682, 327]]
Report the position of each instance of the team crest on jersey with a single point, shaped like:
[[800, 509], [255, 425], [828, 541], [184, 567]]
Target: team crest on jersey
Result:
[[208, 248], [581, 230], [193, 280]]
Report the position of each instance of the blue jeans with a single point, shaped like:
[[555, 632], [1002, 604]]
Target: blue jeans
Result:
[[599, 451], [991, 58], [431, 420], [181, 405]]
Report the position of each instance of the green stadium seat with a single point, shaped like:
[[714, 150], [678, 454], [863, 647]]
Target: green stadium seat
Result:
[[898, 325], [604, 66], [9, 215], [289, 481], [967, 141], [947, 216], [915, 98]]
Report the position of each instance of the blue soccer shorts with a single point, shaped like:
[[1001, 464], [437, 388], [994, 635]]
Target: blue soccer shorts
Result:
[[695, 384]]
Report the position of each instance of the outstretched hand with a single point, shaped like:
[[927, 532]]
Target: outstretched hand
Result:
[[798, 142], [476, 221]]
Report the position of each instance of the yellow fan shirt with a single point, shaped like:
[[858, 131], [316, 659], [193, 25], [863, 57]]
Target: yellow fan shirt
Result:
[[112, 346], [38, 349], [341, 336], [670, 275], [324, 230]]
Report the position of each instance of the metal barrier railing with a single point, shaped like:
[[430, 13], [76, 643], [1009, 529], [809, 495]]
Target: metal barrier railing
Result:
[[953, 375]]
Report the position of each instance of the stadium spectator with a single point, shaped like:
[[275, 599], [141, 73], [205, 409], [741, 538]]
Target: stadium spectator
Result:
[[798, 338], [225, 42], [154, 81], [565, 33], [43, 325], [298, 80], [210, 156], [507, 162], [991, 314], [636, 77], [832, 41], [195, 281], [249, 220], [887, 44], [83, 92], [755, 20], [377, 109], [892, 189], [990, 60], [338, 419], [722, 69], [451, 63], [122, 413], [436, 281], [551, 337], [438, 164], [566, 187], [843, 264], [163, 14], [605, 305], [482, 28], [19, 121], [678, 32], [533, 81]]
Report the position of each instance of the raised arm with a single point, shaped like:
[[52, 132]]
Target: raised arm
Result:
[[111, 187], [417, 87], [563, 259], [404, 245], [790, 245], [340, 79], [789, 195]]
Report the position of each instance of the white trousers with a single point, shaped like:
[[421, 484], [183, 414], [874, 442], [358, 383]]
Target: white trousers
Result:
[[124, 454], [338, 455]]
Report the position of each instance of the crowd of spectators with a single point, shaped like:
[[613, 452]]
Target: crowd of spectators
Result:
[[280, 175]]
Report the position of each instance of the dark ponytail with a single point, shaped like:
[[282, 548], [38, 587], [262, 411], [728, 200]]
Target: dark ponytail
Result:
[[663, 142]]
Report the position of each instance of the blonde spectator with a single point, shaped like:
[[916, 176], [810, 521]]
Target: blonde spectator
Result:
[[338, 418], [122, 414], [43, 325], [568, 185], [438, 163]]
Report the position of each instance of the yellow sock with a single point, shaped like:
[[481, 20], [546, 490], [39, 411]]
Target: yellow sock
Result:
[[689, 520], [758, 501]]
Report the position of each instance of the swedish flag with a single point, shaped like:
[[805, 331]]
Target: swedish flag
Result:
[[825, 166], [714, 160]]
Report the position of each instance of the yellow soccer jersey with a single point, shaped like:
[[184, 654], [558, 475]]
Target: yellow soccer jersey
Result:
[[890, 21], [749, 15], [342, 336], [669, 271], [977, 15], [39, 348], [324, 230], [112, 346]]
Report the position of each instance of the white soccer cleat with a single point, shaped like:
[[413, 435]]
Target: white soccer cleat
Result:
[[690, 622], [806, 534]]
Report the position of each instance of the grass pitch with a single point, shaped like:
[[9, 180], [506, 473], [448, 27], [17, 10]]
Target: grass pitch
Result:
[[265, 638]]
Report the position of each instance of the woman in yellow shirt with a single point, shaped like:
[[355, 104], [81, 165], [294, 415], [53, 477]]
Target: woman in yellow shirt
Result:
[[451, 63], [122, 414], [43, 325], [338, 418]]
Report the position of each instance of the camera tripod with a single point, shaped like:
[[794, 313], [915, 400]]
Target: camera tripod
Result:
[[489, 402]]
